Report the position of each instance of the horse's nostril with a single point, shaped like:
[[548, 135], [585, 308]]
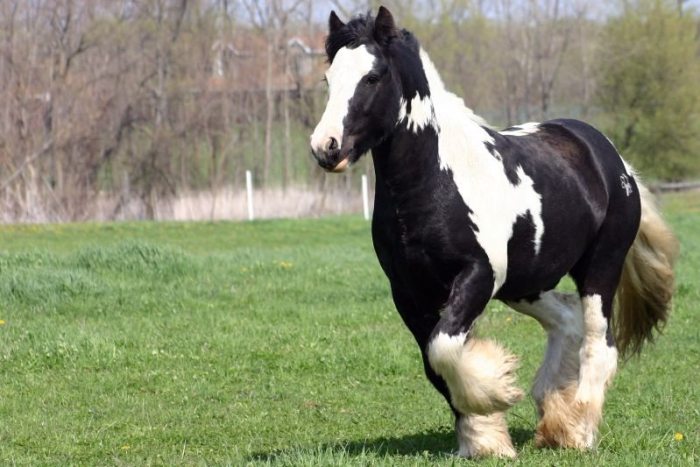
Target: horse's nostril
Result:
[[332, 144]]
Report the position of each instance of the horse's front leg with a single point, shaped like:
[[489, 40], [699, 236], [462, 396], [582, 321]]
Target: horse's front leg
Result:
[[479, 373]]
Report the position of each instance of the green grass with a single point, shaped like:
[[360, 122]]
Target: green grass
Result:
[[275, 343]]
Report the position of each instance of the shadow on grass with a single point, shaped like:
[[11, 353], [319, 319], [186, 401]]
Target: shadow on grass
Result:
[[431, 444]]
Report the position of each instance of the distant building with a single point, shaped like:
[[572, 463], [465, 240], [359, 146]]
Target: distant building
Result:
[[241, 64]]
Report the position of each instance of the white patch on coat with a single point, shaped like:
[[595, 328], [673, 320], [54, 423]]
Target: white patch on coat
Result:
[[348, 68], [480, 177], [422, 113], [523, 129], [445, 349]]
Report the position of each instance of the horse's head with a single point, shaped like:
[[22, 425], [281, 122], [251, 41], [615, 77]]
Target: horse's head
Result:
[[366, 85]]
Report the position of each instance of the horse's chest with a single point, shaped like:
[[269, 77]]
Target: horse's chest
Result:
[[422, 255]]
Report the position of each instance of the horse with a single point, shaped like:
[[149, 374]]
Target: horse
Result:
[[464, 214]]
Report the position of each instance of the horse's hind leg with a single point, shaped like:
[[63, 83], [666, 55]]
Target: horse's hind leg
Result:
[[557, 379], [479, 374], [597, 276], [598, 364]]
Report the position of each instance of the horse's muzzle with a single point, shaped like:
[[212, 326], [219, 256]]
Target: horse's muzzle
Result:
[[330, 158]]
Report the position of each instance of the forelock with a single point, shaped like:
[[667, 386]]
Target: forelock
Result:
[[404, 51], [360, 30], [356, 32]]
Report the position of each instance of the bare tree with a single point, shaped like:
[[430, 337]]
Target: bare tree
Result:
[[552, 30], [118, 106], [273, 19]]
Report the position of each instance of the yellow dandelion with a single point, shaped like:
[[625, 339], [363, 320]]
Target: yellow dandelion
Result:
[[2, 322], [509, 319], [285, 264], [678, 436], [126, 447]]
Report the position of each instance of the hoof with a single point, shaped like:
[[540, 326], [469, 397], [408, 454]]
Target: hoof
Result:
[[567, 422], [484, 436]]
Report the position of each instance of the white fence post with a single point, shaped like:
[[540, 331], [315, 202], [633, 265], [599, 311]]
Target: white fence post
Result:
[[365, 197], [249, 191]]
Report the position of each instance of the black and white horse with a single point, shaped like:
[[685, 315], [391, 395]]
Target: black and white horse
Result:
[[464, 214]]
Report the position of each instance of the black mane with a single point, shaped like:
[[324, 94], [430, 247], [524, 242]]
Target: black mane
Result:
[[358, 31]]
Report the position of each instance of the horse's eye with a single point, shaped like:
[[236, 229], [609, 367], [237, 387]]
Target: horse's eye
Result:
[[372, 79]]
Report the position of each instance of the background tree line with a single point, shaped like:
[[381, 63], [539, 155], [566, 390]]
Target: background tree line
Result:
[[110, 104]]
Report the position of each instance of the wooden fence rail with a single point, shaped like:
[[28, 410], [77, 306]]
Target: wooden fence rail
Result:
[[675, 186]]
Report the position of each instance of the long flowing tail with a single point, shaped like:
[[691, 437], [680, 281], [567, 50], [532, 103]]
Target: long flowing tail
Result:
[[647, 282]]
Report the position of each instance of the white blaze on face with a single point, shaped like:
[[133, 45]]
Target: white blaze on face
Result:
[[348, 68]]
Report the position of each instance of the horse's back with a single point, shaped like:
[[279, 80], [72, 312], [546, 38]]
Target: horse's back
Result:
[[622, 198], [583, 182], [575, 154], [601, 151]]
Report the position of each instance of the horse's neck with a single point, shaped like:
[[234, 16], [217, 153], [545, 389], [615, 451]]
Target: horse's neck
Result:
[[434, 134], [404, 160], [463, 140], [463, 137], [438, 133], [444, 101]]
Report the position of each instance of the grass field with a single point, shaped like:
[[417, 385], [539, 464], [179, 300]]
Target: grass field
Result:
[[276, 342]]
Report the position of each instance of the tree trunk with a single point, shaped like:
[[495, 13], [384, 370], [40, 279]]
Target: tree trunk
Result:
[[269, 112]]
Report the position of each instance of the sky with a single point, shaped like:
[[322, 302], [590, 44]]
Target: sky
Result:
[[598, 8]]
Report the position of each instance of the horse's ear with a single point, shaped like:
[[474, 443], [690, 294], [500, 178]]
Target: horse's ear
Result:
[[384, 27], [334, 23]]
